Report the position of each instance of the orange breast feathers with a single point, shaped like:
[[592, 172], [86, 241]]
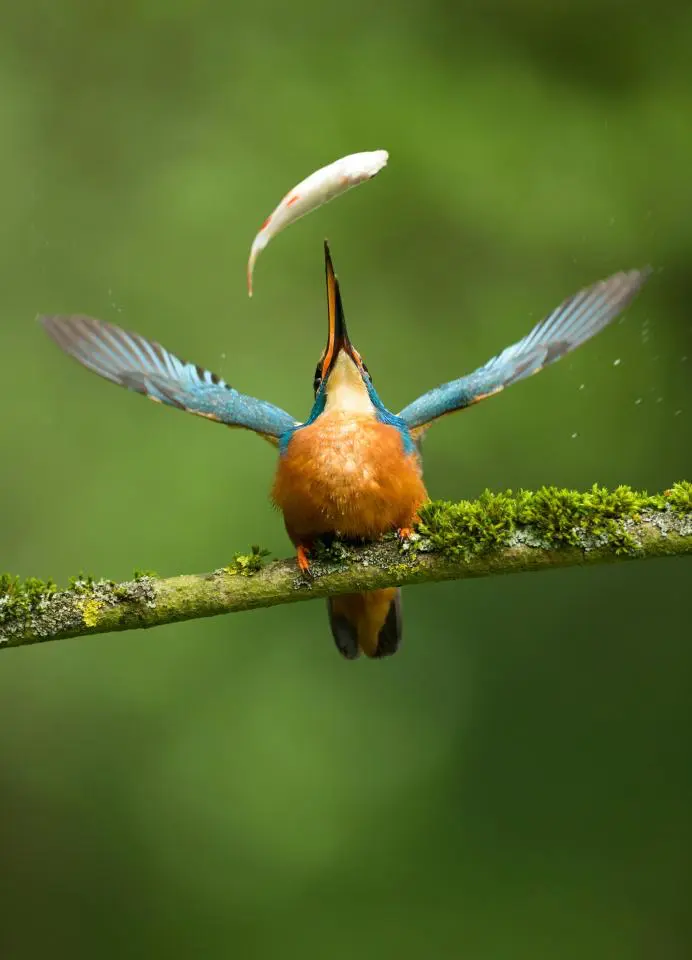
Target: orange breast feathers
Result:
[[347, 473]]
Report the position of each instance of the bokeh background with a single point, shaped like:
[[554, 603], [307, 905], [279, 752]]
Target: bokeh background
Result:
[[518, 781]]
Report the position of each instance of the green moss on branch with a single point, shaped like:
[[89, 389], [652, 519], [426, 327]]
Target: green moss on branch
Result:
[[555, 518], [498, 533]]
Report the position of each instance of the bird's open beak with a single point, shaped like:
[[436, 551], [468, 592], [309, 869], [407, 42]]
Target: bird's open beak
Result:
[[337, 339]]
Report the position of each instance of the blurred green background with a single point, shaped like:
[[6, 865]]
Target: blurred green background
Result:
[[518, 781]]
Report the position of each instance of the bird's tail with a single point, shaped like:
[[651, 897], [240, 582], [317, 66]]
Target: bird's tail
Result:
[[367, 622]]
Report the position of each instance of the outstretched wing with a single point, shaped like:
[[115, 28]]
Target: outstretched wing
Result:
[[571, 324], [148, 368]]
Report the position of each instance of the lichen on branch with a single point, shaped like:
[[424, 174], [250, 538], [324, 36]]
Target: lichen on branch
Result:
[[497, 533]]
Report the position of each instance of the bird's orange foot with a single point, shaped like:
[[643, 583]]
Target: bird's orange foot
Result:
[[405, 533], [302, 559]]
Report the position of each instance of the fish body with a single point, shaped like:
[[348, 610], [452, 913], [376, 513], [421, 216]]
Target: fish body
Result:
[[319, 188]]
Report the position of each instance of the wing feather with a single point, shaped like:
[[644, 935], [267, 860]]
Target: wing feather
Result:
[[142, 365], [575, 321]]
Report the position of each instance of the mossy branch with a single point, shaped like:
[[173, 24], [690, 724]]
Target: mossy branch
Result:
[[498, 533]]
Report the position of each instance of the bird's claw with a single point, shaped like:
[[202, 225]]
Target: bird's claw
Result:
[[407, 533], [303, 561]]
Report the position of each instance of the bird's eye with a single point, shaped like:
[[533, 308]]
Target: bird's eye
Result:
[[318, 378]]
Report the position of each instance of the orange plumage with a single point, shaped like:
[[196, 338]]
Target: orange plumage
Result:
[[347, 474]]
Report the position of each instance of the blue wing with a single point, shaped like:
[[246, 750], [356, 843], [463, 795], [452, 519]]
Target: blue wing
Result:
[[148, 368], [571, 324]]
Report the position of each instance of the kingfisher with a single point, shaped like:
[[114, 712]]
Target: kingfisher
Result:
[[353, 469]]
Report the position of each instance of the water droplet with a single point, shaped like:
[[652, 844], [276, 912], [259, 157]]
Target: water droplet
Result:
[[659, 399], [682, 359], [616, 363], [581, 386], [574, 436], [223, 356], [677, 413], [637, 401]]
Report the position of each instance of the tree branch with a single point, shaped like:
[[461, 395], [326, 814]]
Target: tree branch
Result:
[[498, 533]]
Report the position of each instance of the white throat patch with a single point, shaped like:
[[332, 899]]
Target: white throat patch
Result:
[[345, 388]]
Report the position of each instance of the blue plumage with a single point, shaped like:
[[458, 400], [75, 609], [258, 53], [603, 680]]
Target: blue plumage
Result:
[[146, 367], [573, 322]]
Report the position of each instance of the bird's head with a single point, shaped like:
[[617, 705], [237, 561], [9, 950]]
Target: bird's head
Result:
[[342, 380]]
